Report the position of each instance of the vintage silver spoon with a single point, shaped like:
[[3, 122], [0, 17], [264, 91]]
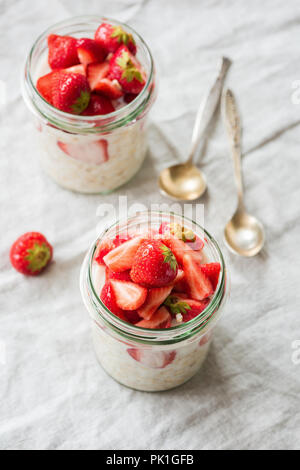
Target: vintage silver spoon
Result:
[[243, 234], [185, 181]]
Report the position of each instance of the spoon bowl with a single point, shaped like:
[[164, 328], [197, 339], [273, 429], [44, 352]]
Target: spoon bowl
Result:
[[244, 234], [182, 181]]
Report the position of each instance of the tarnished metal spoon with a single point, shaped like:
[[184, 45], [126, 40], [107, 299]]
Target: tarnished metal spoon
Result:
[[243, 234], [185, 181]]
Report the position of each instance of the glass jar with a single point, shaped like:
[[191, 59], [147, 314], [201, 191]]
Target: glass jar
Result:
[[140, 358], [89, 154]]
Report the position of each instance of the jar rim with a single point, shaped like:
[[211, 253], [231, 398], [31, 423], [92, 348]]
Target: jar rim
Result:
[[160, 336], [107, 122]]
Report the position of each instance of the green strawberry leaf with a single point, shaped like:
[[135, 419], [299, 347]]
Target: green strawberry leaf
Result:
[[176, 306], [129, 70], [81, 103], [122, 36], [169, 257], [38, 257]]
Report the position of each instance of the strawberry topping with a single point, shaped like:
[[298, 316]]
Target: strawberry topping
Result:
[[110, 38], [62, 51]]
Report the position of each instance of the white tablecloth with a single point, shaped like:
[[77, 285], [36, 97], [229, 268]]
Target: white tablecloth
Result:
[[53, 394]]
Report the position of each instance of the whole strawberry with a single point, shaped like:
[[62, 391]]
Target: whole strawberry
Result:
[[62, 51], [111, 37], [154, 265], [31, 253], [124, 67], [70, 92]]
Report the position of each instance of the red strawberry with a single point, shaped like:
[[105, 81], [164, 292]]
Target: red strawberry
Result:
[[95, 73], [110, 88], [189, 308], [89, 51], [44, 86], [31, 253], [124, 276], [70, 92], [129, 296], [200, 286], [152, 359], [160, 319], [212, 271], [98, 105], [132, 316], [62, 51], [154, 300], [108, 298], [124, 67], [177, 246], [107, 244], [111, 37], [185, 234], [77, 69], [121, 258], [154, 265], [94, 153]]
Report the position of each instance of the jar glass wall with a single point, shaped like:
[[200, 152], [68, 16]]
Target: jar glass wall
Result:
[[89, 154], [140, 358]]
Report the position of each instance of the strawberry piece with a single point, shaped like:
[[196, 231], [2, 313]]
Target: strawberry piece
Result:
[[121, 258], [154, 300], [185, 234], [189, 308], [177, 246], [111, 37], [109, 299], [98, 105], [151, 359], [212, 271], [132, 316], [94, 153], [110, 88], [44, 86], [124, 67], [123, 276], [76, 69], [62, 51], [89, 51], [160, 319], [154, 265], [70, 92], [200, 286], [129, 296], [31, 253], [95, 73], [107, 244]]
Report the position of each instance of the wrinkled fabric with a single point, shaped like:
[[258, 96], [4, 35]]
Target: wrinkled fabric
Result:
[[53, 393]]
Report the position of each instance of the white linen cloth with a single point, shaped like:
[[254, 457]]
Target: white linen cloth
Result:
[[53, 393]]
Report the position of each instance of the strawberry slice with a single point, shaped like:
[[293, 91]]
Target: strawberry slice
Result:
[[98, 105], [89, 51], [151, 359], [62, 51], [160, 319], [129, 296], [44, 86], [123, 276], [109, 299], [200, 286], [110, 88], [94, 153], [95, 73], [189, 308], [107, 244], [177, 246], [125, 68], [76, 69], [212, 271], [121, 258], [155, 299]]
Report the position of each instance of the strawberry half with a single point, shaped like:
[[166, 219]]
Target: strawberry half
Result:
[[70, 92], [124, 67], [154, 265], [121, 258], [199, 285], [31, 253], [77, 69], [98, 105], [129, 296], [124, 276], [160, 319], [154, 300], [110, 88], [111, 37], [107, 244], [89, 51], [95, 73], [108, 298], [44, 86], [189, 308], [62, 51], [212, 271]]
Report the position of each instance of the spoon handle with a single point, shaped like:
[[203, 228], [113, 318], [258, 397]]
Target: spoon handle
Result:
[[234, 133], [207, 108]]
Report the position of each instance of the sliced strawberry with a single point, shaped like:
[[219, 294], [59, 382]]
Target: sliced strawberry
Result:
[[76, 69], [104, 247], [110, 88], [189, 308], [212, 271], [123, 276], [161, 318], [125, 68], [89, 51], [177, 246], [132, 316], [155, 299], [152, 359], [44, 86], [199, 285], [95, 73], [108, 298], [110, 37], [94, 153], [121, 258], [62, 51], [129, 296], [98, 105]]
